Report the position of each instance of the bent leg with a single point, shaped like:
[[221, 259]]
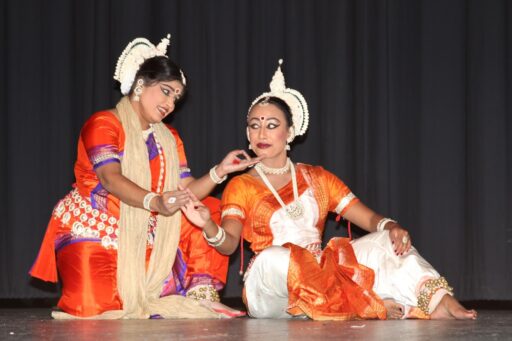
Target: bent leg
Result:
[[396, 277], [401, 278], [266, 284], [88, 274]]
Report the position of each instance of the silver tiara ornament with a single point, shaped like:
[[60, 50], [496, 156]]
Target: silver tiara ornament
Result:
[[135, 53], [294, 99]]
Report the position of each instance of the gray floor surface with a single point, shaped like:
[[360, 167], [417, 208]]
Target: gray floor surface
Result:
[[36, 323]]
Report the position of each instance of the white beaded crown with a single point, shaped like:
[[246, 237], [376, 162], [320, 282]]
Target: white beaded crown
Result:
[[135, 53], [294, 99]]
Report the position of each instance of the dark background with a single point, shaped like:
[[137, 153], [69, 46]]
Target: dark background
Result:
[[409, 102]]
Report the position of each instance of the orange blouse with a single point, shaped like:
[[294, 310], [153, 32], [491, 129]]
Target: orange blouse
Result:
[[102, 141], [248, 200]]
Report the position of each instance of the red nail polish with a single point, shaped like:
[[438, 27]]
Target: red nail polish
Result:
[[236, 161]]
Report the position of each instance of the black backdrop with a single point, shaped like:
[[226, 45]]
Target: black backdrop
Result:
[[409, 101]]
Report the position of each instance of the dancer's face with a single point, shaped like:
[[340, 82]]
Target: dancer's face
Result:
[[267, 130], [157, 101]]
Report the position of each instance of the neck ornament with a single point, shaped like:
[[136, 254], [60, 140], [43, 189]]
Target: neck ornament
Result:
[[275, 171], [295, 209]]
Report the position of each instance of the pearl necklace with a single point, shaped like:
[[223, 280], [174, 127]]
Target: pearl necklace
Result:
[[275, 171], [295, 209], [145, 134]]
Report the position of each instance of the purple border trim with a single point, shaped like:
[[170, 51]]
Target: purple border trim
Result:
[[185, 175], [104, 162], [176, 283], [68, 240]]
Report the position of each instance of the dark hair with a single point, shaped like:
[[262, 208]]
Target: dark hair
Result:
[[158, 69], [281, 105]]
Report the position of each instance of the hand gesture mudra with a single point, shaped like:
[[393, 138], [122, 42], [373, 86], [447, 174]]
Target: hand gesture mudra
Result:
[[233, 162], [195, 211]]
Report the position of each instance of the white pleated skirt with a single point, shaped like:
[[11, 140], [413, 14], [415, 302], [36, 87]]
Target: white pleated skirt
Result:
[[396, 277]]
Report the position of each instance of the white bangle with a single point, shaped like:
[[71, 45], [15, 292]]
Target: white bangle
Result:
[[147, 200], [222, 239], [219, 238], [215, 178], [382, 223]]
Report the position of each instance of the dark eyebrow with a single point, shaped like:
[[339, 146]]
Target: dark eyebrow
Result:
[[173, 90]]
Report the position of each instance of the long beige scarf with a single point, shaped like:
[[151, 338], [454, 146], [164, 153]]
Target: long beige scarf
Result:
[[140, 289]]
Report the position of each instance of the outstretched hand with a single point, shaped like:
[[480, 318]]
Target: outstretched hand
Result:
[[400, 239], [233, 162], [195, 210]]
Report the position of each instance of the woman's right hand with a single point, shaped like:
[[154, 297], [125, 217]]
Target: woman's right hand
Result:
[[170, 202]]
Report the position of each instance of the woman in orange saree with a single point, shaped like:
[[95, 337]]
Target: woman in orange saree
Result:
[[117, 240], [280, 208]]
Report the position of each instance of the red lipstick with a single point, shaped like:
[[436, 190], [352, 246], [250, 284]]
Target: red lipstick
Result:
[[263, 145]]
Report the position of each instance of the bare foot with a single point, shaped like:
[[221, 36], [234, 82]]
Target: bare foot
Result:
[[449, 308], [394, 311], [220, 308]]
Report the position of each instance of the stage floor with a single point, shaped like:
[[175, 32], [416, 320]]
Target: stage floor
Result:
[[36, 323]]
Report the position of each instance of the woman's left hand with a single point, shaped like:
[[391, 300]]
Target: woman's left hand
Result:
[[399, 238], [233, 163], [196, 211]]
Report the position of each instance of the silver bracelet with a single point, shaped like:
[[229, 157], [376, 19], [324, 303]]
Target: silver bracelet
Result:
[[147, 200], [382, 223], [219, 238], [215, 178]]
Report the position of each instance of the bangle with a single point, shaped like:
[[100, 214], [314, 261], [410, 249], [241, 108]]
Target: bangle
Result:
[[219, 238], [147, 200], [222, 239], [382, 223], [215, 178]]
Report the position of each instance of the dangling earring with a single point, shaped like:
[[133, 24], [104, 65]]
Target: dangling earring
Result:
[[290, 138], [138, 90]]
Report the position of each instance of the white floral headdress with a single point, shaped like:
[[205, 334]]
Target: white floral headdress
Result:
[[135, 53], [294, 99]]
